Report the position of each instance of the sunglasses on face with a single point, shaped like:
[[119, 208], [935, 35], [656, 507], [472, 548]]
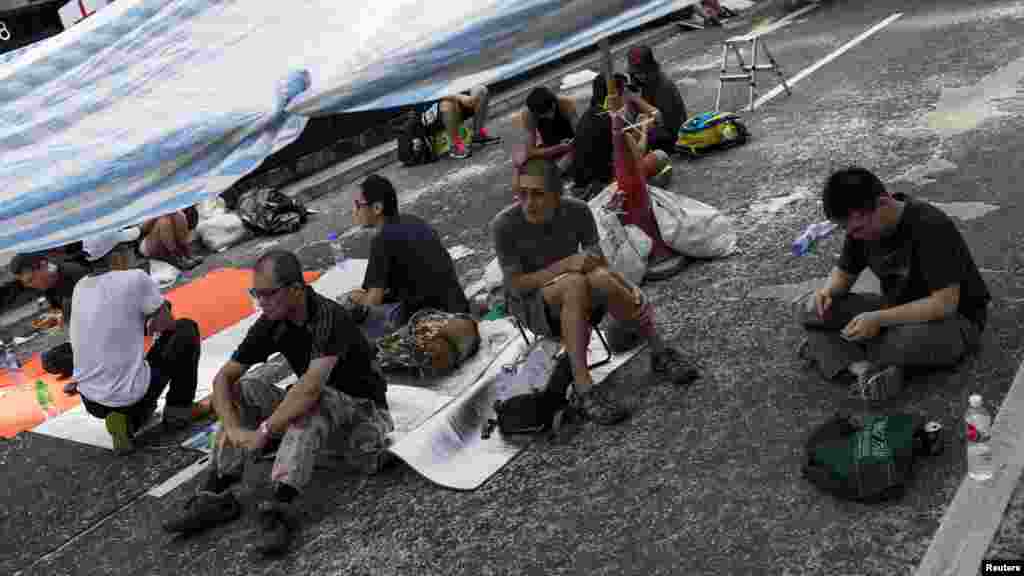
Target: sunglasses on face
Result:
[[265, 293]]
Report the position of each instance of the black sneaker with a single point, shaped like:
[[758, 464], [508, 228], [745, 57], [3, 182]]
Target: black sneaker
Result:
[[672, 366], [595, 405], [277, 527], [205, 510]]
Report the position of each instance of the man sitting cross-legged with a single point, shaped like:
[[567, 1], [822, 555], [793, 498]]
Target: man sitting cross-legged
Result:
[[339, 397], [112, 309], [409, 269], [556, 276], [933, 307]]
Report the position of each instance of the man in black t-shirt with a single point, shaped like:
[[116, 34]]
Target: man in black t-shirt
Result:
[[409, 269], [340, 394], [934, 302]]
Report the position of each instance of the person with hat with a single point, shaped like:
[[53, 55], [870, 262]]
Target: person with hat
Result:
[[113, 309], [659, 91]]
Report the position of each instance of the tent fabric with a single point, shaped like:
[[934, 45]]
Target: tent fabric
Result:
[[150, 106]]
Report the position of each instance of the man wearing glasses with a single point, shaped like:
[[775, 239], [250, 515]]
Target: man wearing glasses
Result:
[[934, 302], [409, 268], [338, 400], [556, 277]]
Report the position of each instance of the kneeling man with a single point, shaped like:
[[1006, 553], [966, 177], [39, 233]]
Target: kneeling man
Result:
[[113, 309], [557, 279], [933, 305]]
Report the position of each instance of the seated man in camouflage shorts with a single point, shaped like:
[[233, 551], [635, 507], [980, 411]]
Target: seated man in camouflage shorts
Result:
[[338, 400]]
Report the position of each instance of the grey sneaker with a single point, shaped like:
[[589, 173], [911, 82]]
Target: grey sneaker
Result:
[[205, 510], [277, 527], [597, 406], [671, 365], [878, 384]]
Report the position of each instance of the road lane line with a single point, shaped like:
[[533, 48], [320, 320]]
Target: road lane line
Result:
[[814, 67]]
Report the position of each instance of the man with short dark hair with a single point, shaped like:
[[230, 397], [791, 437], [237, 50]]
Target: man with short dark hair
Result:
[[556, 279], [409, 268], [934, 302], [548, 122], [57, 281], [339, 397], [113, 309], [661, 92]]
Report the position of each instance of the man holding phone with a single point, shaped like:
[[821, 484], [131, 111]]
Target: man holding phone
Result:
[[934, 302]]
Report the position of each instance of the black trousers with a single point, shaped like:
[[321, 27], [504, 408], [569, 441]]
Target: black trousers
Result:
[[173, 360], [939, 344]]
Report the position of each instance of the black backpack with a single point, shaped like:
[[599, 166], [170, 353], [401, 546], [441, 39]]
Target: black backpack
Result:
[[415, 143], [535, 411], [268, 212], [867, 459]]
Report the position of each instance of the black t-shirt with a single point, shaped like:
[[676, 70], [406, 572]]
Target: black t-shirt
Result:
[[925, 253], [664, 95], [409, 262], [68, 274], [328, 331]]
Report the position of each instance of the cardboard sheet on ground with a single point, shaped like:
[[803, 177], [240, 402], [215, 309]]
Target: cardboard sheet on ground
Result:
[[218, 302]]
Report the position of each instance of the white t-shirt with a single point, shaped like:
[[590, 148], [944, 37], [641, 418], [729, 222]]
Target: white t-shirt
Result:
[[108, 323]]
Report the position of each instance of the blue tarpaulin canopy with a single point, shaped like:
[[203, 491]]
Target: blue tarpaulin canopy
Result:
[[150, 106]]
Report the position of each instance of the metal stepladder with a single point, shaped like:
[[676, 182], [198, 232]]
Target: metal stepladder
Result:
[[747, 73]]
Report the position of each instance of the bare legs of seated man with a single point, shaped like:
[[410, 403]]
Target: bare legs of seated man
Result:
[[571, 299], [167, 238]]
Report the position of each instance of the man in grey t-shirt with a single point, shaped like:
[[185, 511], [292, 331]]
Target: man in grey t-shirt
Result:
[[556, 278]]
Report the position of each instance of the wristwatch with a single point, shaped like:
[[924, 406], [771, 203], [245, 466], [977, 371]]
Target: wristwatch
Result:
[[265, 429]]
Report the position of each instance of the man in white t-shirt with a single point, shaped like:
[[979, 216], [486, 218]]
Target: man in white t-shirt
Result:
[[113, 309]]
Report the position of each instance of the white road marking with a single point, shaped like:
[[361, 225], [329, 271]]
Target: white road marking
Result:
[[838, 52]]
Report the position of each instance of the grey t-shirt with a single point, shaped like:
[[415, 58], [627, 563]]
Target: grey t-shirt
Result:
[[524, 248]]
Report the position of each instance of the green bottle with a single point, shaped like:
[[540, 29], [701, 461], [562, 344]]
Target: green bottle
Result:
[[44, 399]]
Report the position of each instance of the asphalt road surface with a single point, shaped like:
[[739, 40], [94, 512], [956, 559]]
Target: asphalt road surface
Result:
[[703, 480]]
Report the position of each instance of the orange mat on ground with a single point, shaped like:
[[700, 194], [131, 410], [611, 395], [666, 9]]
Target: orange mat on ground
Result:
[[216, 301]]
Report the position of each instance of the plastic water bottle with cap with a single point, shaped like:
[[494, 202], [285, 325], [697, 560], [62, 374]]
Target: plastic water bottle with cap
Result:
[[806, 241], [337, 250], [979, 449]]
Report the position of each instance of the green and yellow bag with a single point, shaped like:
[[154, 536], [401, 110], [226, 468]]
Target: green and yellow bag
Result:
[[711, 131]]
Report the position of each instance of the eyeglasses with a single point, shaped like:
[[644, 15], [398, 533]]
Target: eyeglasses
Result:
[[359, 203], [266, 293]]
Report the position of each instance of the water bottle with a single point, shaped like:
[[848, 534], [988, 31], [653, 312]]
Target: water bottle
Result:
[[9, 362], [337, 250], [45, 400], [806, 241], [979, 450]]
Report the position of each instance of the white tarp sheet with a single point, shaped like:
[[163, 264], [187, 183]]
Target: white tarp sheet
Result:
[[149, 106]]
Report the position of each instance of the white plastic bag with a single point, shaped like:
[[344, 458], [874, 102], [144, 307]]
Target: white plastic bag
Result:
[[690, 227], [222, 231], [533, 369], [626, 247]]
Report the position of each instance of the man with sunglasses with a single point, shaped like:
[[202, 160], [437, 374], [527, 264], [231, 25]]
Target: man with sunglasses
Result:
[[409, 269], [933, 306], [338, 401], [556, 277]]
